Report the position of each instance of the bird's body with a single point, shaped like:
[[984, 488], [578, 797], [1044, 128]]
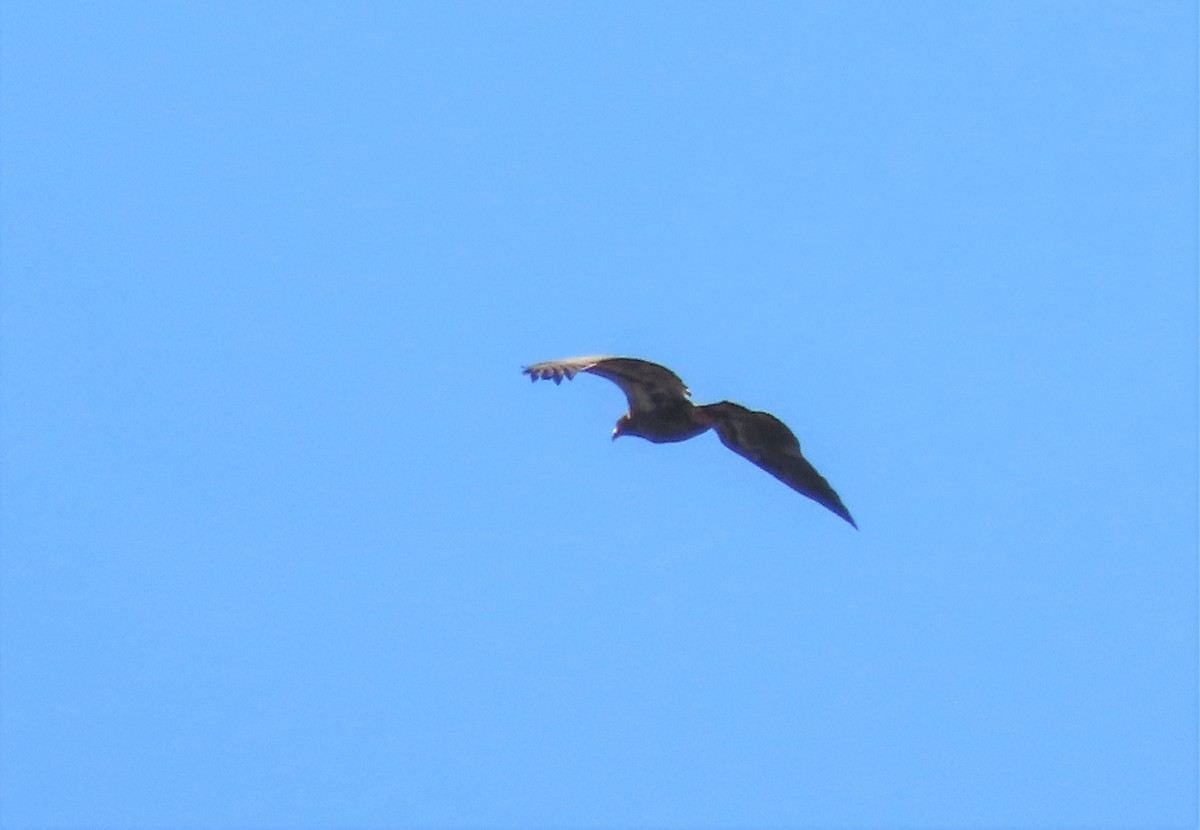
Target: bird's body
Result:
[[660, 410], [666, 425]]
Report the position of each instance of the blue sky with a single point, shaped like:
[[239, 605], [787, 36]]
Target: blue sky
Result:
[[288, 541]]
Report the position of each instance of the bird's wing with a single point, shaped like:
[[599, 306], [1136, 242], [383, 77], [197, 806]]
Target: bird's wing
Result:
[[647, 386], [765, 440]]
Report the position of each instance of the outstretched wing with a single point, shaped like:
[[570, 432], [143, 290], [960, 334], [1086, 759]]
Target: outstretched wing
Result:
[[647, 386], [765, 440]]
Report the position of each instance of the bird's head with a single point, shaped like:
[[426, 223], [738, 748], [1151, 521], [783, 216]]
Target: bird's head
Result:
[[622, 427]]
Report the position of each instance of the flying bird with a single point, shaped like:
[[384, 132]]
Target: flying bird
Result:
[[661, 411]]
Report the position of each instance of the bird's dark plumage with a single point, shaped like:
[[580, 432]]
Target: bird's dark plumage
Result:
[[661, 410]]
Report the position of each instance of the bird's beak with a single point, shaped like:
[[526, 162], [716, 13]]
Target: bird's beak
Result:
[[617, 431]]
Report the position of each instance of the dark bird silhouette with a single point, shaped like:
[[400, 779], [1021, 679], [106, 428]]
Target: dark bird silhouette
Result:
[[660, 410]]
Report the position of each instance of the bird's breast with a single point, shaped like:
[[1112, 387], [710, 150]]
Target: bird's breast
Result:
[[666, 427]]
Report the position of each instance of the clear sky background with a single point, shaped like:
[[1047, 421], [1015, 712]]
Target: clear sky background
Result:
[[289, 541]]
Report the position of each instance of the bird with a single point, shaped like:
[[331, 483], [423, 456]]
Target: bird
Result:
[[661, 411]]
